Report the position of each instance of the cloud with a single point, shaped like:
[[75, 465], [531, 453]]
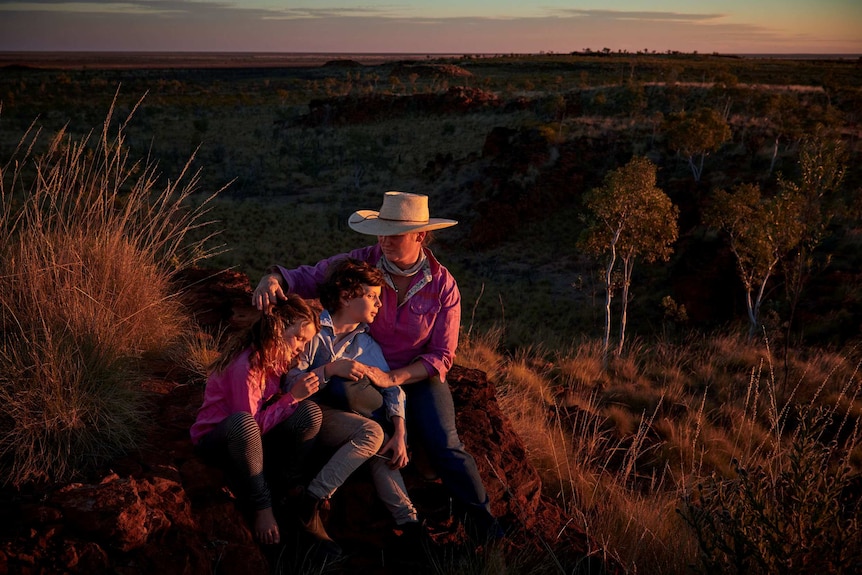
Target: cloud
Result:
[[649, 16], [189, 7], [270, 25], [97, 7], [320, 13]]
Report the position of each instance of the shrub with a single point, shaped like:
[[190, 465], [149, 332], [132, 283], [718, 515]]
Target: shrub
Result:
[[793, 512], [87, 249]]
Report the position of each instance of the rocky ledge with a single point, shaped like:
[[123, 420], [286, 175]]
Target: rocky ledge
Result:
[[162, 510]]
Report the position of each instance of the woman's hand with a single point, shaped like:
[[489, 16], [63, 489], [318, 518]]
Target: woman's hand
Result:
[[378, 377], [305, 385], [268, 292], [402, 376]]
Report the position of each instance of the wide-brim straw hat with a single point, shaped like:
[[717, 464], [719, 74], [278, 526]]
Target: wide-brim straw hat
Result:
[[401, 213]]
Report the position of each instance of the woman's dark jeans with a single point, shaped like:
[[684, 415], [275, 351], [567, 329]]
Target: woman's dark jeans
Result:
[[431, 419]]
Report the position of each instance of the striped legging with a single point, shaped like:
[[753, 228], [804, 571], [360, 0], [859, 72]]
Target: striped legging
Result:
[[236, 445]]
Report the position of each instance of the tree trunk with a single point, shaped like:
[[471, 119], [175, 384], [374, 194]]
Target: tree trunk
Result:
[[609, 294], [628, 265], [694, 171], [754, 307], [774, 156], [606, 340], [752, 314]]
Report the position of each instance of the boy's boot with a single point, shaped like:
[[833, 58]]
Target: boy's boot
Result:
[[309, 519]]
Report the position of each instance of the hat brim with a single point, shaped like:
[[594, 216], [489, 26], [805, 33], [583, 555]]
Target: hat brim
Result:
[[368, 222]]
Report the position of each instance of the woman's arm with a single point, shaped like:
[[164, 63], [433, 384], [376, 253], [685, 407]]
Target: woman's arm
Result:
[[438, 353], [302, 280], [412, 373]]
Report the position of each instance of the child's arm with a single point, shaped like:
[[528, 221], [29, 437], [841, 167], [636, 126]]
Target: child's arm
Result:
[[280, 406], [250, 391], [300, 368], [346, 368], [394, 398]]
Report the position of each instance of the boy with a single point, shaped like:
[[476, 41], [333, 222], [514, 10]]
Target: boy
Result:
[[354, 411]]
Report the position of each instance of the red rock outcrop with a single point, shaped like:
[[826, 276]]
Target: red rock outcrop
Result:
[[162, 510]]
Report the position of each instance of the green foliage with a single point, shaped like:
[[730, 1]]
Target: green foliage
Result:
[[696, 135], [629, 218], [628, 213], [792, 513], [761, 230], [822, 169]]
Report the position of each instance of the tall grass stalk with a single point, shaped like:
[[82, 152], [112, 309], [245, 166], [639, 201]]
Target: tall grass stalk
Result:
[[89, 240]]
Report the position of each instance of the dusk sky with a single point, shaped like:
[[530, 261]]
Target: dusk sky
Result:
[[433, 27]]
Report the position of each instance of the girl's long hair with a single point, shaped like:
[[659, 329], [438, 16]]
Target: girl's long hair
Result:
[[266, 336]]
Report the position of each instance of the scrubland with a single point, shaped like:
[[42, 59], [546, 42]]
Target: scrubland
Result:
[[696, 448]]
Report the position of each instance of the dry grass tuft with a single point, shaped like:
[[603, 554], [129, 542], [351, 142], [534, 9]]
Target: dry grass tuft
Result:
[[623, 449], [194, 353], [479, 351], [88, 248], [581, 368]]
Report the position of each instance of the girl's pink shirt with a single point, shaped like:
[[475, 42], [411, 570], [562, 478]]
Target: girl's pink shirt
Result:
[[238, 389]]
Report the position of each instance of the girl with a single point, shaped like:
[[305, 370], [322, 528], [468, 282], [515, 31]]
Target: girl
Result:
[[245, 418]]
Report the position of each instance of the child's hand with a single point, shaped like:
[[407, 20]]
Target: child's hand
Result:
[[346, 368], [304, 386], [396, 450]]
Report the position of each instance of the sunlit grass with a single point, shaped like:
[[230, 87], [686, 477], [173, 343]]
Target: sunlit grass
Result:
[[89, 240], [622, 450]]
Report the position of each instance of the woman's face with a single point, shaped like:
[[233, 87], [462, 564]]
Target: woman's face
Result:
[[402, 250], [297, 335]]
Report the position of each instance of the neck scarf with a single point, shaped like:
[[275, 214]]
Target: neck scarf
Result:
[[394, 270]]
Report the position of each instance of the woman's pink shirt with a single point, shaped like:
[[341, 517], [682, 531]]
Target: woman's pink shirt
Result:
[[425, 327]]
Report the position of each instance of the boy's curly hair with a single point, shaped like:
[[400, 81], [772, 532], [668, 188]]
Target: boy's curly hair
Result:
[[345, 278]]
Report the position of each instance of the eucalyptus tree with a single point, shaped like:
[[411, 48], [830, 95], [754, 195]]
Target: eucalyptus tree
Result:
[[822, 167], [786, 122], [628, 217], [760, 231], [695, 135]]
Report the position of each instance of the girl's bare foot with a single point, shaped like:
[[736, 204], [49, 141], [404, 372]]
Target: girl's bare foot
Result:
[[265, 527]]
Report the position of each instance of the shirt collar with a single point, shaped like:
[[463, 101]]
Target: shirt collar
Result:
[[326, 321]]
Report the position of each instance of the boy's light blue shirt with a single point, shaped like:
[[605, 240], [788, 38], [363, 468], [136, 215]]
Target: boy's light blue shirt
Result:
[[357, 345]]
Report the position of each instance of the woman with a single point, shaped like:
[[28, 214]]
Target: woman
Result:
[[417, 328], [245, 418]]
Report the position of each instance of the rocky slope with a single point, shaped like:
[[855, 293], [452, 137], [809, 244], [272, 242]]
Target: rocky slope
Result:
[[162, 510]]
